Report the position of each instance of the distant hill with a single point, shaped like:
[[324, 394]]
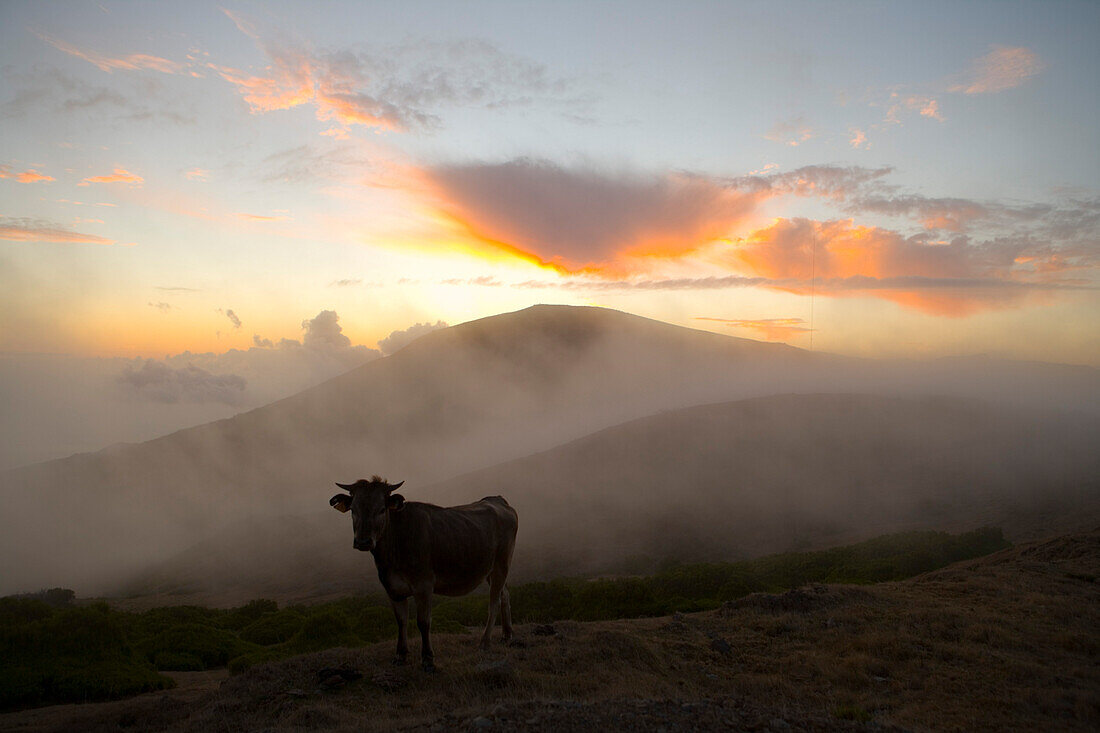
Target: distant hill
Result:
[[456, 400], [714, 482]]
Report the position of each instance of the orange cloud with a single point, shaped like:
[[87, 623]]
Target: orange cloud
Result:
[[577, 219], [773, 329], [297, 76], [120, 175], [130, 62], [27, 230], [858, 139], [28, 176], [1002, 68], [842, 258], [196, 174]]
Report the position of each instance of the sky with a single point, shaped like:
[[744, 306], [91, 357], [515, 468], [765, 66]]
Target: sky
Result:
[[893, 179]]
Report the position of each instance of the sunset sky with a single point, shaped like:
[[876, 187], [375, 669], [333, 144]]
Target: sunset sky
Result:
[[202, 177]]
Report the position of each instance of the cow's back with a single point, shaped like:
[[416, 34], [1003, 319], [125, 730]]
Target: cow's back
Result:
[[467, 541]]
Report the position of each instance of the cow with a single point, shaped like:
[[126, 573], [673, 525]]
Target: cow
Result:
[[420, 549]]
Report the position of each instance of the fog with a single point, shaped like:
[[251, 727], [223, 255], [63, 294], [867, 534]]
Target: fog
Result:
[[510, 405], [56, 405]]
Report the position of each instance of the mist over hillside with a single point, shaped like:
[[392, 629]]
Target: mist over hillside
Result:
[[715, 482], [462, 399]]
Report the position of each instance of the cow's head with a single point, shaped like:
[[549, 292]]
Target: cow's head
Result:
[[370, 503]]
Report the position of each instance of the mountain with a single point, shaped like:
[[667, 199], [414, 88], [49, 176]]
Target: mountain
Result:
[[454, 401], [714, 482]]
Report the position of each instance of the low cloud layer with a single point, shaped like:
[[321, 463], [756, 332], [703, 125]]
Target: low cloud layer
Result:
[[772, 329], [156, 381], [323, 339], [400, 339]]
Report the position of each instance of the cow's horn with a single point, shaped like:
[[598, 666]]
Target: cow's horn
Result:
[[345, 487], [396, 486]]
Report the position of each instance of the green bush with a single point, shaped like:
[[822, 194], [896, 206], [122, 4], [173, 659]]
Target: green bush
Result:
[[54, 653], [15, 612], [74, 655], [274, 628], [212, 646], [178, 662]]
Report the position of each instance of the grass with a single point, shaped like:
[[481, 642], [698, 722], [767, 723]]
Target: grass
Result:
[[1004, 642], [52, 652]]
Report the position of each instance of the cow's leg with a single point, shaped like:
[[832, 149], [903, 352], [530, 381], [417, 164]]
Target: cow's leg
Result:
[[506, 613], [424, 623], [496, 585], [401, 614]]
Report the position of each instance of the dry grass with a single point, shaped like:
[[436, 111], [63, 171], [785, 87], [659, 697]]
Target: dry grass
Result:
[[1007, 642]]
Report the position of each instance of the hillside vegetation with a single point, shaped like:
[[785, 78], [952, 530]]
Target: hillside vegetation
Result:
[[1003, 642], [50, 654]]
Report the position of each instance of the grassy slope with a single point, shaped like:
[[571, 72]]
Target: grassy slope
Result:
[[1003, 642]]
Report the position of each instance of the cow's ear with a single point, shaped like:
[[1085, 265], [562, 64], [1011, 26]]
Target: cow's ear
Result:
[[395, 502], [340, 502]]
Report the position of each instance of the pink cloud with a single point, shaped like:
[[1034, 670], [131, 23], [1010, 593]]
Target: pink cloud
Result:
[[793, 132], [1004, 67], [129, 62]]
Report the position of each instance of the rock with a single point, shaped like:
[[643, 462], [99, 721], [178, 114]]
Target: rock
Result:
[[498, 673], [332, 682], [347, 674], [481, 722], [297, 693], [544, 630], [387, 680], [721, 646], [779, 724]]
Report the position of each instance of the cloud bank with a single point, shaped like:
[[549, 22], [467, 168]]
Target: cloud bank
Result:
[[398, 340]]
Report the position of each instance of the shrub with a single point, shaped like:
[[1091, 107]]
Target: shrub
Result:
[[69, 656], [274, 628], [213, 647]]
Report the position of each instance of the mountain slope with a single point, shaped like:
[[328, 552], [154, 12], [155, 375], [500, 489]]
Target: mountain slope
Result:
[[714, 482], [458, 399]]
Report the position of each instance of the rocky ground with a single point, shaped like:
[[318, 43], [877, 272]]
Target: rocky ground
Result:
[[1007, 642]]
